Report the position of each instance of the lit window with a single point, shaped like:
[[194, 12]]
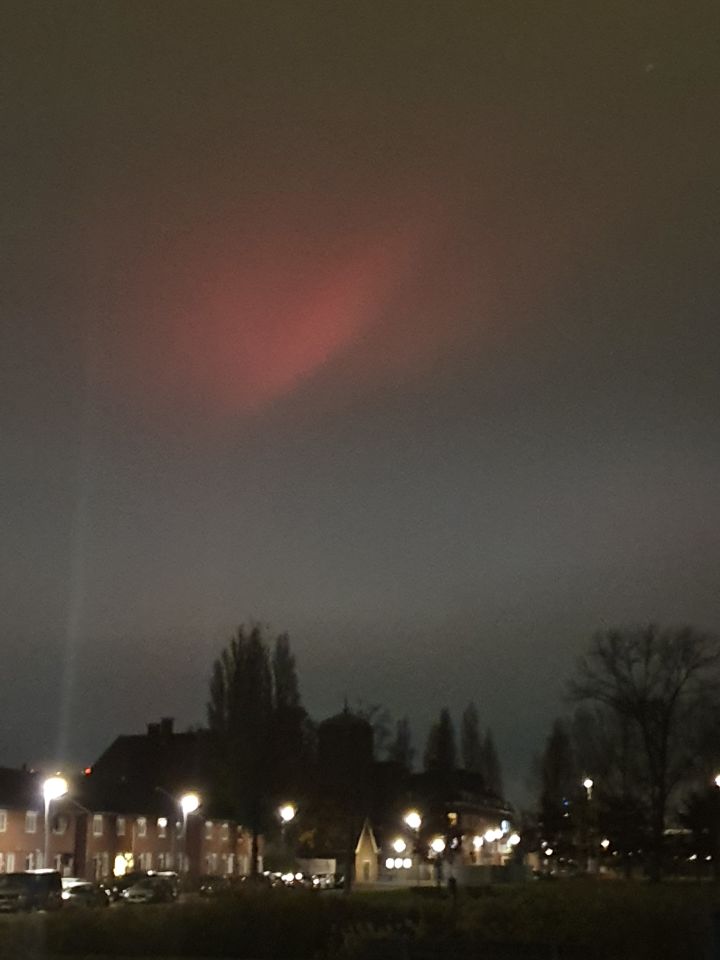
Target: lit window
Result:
[[30, 821], [389, 863], [3, 821], [208, 830], [225, 831], [162, 826], [120, 826], [98, 825], [10, 863], [452, 819], [142, 827]]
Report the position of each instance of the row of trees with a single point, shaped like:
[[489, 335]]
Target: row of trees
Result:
[[477, 750], [261, 733], [264, 740], [645, 732]]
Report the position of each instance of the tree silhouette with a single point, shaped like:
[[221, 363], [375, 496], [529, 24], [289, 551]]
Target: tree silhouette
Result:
[[255, 720], [471, 746], [401, 750], [656, 683], [440, 751]]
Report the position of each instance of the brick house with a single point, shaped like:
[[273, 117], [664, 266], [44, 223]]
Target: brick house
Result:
[[131, 809], [23, 825]]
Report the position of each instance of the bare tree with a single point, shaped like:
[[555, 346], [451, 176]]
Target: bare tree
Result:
[[657, 683]]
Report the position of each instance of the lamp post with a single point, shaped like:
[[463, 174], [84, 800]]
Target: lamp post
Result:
[[189, 803], [287, 814], [53, 788], [413, 820], [588, 783]]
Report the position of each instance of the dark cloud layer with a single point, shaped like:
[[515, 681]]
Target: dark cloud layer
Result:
[[392, 324]]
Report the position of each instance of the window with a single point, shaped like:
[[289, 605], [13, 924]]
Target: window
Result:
[[225, 830], [31, 821], [98, 825], [59, 825], [10, 863], [162, 826], [3, 821], [208, 829], [120, 826], [142, 828]]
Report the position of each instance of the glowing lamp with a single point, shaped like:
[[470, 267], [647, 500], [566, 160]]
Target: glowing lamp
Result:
[[54, 788], [189, 802], [287, 812], [413, 819]]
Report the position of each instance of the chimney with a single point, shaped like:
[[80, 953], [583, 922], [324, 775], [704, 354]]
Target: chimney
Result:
[[153, 730], [166, 727]]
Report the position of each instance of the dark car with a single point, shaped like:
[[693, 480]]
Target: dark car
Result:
[[82, 893], [32, 890], [214, 885], [116, 885], [171, 878], [149, 890]]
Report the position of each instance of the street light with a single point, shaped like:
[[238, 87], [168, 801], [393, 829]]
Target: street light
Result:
[[413, 820], [399, 845], [437, 845], [189, 803], [588, 784], [53, 788], [287, 812]]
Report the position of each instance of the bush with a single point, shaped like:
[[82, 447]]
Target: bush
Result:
[[612, 920]]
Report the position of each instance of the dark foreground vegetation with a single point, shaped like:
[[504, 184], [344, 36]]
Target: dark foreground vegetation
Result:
[[554, 920]]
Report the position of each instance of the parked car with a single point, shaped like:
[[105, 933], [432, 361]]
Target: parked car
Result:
[[214, 885], [149, 890], [32, 890], [83, 893], [116, 885], [172, 878]]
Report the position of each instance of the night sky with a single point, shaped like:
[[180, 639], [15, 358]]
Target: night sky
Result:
[[393, 325]]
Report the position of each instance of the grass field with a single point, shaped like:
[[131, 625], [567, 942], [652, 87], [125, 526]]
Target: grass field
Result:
[[536, 921]]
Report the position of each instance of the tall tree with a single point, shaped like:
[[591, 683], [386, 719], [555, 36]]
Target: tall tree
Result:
[[440, 750], [470, 743], [287, 690], [401, 750], [240, 718], [491, 765], [658, 682], [558, 790], [291, 729]]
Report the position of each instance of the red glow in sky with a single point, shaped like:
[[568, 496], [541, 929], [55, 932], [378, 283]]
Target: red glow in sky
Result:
[[234, 331]]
